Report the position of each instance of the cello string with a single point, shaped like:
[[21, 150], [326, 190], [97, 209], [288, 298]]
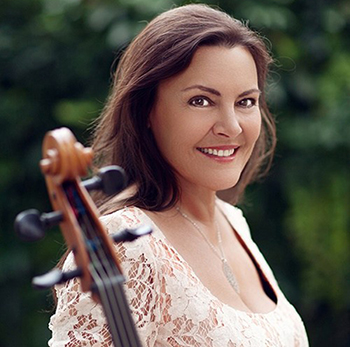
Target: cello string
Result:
[[79, 212], [115, 292], [111, 308], [101, 278], [112, 294]]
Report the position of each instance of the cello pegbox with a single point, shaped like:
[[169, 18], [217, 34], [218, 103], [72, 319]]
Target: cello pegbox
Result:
[[50, 165], [54, 277], [30, 225], [63, 157], [110, 179]]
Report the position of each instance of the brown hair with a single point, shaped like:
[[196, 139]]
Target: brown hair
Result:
[[164, 48]]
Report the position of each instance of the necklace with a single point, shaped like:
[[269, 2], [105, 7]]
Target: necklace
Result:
[[231, 278]]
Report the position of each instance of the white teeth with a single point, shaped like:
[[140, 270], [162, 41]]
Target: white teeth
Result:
[[218, 153]]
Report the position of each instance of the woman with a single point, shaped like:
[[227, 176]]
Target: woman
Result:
[[187, 118]]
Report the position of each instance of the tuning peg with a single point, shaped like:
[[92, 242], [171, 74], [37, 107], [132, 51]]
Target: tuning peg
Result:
[[110, 179], [30, 225], [131, 234], [54, 277]]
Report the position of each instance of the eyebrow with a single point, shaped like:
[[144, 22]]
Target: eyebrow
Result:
[[216, 92], [203, 88], [250, 91]]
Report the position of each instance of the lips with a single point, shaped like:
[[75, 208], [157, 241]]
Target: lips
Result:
[[219, 152]]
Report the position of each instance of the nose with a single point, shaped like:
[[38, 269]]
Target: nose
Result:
[[227, 124]]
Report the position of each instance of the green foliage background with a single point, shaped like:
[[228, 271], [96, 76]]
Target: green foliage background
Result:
[[55, 67]]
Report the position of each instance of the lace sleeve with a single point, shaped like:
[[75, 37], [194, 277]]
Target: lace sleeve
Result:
[[79, 321]]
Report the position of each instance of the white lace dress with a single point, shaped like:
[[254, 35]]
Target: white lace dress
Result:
[[170, 306]]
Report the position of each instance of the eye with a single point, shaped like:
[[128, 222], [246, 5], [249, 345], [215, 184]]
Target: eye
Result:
[[248, 102], [200, 101]]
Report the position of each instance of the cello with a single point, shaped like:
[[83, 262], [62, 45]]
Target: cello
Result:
[[64, 162]]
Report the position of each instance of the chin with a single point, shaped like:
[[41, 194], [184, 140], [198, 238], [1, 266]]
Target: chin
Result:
[[224, 185]]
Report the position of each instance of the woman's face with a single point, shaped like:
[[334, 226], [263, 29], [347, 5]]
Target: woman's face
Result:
[[206, 119]]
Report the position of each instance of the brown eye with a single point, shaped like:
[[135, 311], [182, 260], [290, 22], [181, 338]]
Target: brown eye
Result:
[[199, 101], [247, 102]]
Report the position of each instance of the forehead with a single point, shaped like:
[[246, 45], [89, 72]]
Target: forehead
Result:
[[217, 67]]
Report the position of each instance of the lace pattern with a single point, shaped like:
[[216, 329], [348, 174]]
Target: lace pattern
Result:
[[169, 304]]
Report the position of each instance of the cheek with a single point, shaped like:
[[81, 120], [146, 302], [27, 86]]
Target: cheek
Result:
[[168, 138], [257, 128], [253, 128]]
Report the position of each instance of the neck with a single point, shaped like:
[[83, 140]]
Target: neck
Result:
[[199, 205]]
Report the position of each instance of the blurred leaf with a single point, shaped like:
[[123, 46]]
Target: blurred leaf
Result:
[[318, 223], [78, 113]]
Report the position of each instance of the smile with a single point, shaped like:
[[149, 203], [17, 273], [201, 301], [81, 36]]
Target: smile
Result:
[[224, 153]]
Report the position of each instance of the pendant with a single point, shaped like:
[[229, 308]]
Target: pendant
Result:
[[230, 276]]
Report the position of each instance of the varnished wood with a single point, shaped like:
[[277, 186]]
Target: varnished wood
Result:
[[64, 161]]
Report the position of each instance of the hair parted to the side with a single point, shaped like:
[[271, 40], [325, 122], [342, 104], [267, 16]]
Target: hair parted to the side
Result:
[[164, 48]]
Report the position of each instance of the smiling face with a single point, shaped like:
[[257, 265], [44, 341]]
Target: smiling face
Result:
[[206, 119]]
